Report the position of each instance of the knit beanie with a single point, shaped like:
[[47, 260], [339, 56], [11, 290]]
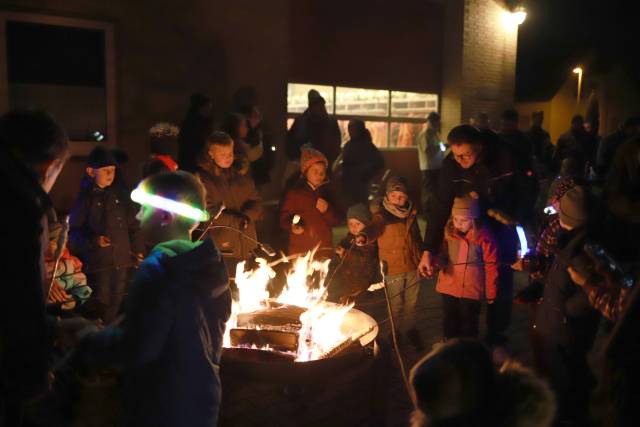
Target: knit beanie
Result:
[[466, 206], [310, 156], [101, 157], [560, 187], [360, 212], [396, 183], [573, 210], [163, 138]]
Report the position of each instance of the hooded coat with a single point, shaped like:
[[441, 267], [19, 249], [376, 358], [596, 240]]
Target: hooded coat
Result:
[[176, 313]]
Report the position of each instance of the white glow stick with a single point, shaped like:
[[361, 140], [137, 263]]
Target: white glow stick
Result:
[[524, 248]]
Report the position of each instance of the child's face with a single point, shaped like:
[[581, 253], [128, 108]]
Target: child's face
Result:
[[316, 174], [462, 223], [103, 176], [397, 198], [355, 226], [222, 155]]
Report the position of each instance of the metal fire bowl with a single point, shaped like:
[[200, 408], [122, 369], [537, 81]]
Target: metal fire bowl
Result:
[[266, 366]]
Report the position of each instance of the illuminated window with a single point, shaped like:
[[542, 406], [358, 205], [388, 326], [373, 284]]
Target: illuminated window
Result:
[[394, 118]]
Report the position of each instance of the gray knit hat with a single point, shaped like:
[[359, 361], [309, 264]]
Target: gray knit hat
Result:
[[396, 183], [360, 212], [573, 210]]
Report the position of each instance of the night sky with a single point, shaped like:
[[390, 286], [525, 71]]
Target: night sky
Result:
[[558, 34]]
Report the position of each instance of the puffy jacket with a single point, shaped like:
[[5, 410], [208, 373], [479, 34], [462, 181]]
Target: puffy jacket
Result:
[[176, 313], [470, 267], [301, 200]]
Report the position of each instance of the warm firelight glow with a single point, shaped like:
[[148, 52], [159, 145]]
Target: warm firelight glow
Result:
[[322, 322]]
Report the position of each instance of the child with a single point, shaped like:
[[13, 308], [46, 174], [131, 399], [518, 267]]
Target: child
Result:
[[103, 230], [307, 210], [70, 282], [470, 269], [356, 267], [227, 187], [171, 338], [396, 231], [163, 139], [237, 127]]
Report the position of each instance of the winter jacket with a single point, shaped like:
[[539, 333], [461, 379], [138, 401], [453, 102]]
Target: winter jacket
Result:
[[578, 144], [542, 148], [361, 161], [176, 313], [301, 200], [241, 201], [497, 181], [355, 271], [470, 267], [564, 315], [398, 240], [107, 212], [24, 327], [321, 131], [607, 151], [430, 154]]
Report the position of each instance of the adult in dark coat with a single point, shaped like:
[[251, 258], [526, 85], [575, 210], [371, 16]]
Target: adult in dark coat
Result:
[[576, 143], [317, 128], [541, 145], [361, 161], [484, 166], [33, 150], [196, 128], [566, 324], [609, 145]]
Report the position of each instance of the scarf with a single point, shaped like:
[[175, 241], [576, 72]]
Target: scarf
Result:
[[398, 211]]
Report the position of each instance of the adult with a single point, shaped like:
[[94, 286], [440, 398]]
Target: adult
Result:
[[565, 323], [489, 170], [33, 150], [196, 128], [541, 145], [361, 162], [577, 143], [256, 136], [609, 144], [520, 145], [317, 128], [431, 153]]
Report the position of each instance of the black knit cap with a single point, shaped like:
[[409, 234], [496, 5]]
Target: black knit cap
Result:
[[101, 157]]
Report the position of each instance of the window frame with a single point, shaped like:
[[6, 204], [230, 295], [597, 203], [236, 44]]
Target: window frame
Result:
[[389, 119], [78, 148]]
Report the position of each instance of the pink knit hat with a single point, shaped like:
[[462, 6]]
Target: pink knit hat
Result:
[[310, 156]]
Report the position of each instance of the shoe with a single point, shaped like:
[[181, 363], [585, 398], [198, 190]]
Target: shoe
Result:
[[415, 340]]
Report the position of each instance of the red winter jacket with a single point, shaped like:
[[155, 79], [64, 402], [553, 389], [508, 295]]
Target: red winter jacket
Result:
[[470, 267], [301, 200]]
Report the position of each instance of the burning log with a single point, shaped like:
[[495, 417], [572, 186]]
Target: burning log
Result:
[[278, 340], [352, 341], [282, 317]]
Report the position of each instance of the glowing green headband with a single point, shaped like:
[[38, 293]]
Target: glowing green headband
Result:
[[143, 198]]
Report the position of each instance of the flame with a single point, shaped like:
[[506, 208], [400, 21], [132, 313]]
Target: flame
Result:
[[305, 287]]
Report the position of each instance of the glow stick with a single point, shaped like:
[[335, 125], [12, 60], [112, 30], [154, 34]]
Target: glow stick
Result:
[[524, 249], [142, 197]]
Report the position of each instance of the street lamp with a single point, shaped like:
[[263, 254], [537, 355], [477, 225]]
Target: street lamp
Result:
[[512, 19], [578, 71]]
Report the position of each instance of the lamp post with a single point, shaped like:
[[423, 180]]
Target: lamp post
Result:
[[578, 71]]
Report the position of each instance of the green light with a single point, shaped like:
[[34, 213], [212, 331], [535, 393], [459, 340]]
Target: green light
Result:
[[143, 198]]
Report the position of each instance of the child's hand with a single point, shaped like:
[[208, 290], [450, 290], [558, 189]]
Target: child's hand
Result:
[[490, 301], [243, 222], [57, 294], [322, 205], [138, 258], [576, 277], [426, 266], [297, 229], [361, 239], [518, 265], [340, 251], [103, 241]]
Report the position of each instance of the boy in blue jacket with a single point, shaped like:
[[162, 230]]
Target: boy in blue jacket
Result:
[[175, 313]]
